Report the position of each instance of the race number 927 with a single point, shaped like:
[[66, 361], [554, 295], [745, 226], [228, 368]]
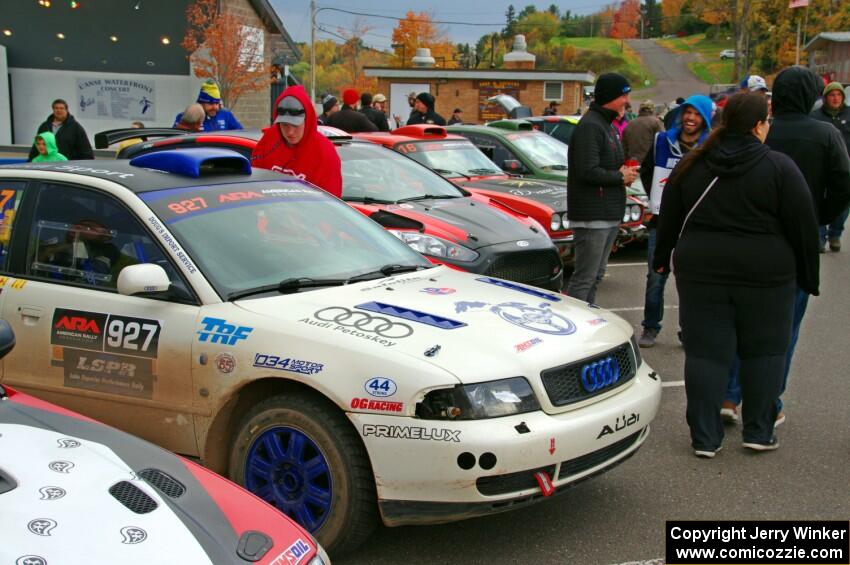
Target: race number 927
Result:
[[132, 336]]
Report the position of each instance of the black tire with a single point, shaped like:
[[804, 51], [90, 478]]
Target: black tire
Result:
[[353, 509]]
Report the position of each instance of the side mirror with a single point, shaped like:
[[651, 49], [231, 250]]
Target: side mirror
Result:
[[514, 166], [7, 338], [145, 278]]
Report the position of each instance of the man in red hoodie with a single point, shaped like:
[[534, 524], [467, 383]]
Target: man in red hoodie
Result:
[[293, 145]]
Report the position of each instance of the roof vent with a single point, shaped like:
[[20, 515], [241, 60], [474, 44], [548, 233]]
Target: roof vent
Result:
[[133, 497], [520, 58], [423, 58], [164, 483], [195, 162]]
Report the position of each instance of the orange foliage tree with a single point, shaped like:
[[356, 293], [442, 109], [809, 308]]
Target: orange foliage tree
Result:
[[418, 30], [223, 48], [626, 20]]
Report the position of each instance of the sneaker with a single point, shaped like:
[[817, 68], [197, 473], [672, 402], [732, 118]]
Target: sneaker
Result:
[[756, 446], [707, 453], [780, 419], [822, 248], [834, 244], [729, 412], [647, 338]]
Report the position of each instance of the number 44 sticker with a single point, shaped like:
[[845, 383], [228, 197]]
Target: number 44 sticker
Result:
[[380, 387]]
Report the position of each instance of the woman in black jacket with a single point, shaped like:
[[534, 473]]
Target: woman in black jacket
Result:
[[742, 222]]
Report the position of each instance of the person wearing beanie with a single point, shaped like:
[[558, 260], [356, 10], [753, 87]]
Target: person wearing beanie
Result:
[[835, 111], [596, 185], [691, 129], [330, 105], [424, 111], [375, 116], [456, 118], [216, 118], [294, 146], [348, 119]]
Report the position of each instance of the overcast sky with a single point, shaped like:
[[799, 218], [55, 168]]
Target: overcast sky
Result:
[[296, 16]]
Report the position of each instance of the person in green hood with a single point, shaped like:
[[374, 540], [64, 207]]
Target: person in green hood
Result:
[[45, 144]]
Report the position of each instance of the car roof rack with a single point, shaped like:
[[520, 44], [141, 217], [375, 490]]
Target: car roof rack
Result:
[[195, 162], [103, 139]]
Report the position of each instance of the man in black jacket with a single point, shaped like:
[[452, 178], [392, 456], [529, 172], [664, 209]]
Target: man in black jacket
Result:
[[375, 116], [596, 184], [424, 111], [819, 152], [836, 112], [70, 136], [348, 119]]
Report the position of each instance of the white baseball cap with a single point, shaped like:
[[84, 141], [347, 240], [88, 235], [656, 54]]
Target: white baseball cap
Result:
[[755, 82]]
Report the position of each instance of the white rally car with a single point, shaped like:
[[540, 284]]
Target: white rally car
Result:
[[257, 323]]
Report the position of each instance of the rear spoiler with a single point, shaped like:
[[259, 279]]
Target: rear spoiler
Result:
[[104, 139]]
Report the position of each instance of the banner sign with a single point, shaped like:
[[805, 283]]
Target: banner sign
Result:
[[117, 99]]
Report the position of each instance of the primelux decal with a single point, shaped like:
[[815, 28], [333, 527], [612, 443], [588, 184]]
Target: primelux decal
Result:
[[411, 432]]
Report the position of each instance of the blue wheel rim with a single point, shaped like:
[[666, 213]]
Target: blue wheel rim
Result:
[[288, 470]]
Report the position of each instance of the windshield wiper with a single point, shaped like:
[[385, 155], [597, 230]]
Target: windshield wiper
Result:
[[386, 271], [366, 200], [555, 167], [427, 197], [448, 172], [286, 286], [485, 172]]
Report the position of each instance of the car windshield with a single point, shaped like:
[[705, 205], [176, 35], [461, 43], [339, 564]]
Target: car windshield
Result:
[[454, 158], [542, 149], [373, 173], [249, 235]]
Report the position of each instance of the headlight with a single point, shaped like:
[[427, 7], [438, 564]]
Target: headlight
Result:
[[626, 215], [555, 223], [635, 213], [565, 222], [430, 245], [492, 399]]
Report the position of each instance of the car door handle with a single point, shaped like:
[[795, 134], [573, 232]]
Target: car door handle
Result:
[[30, 314]]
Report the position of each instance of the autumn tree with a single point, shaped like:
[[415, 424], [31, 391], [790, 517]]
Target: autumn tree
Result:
[[671, 11], [626, 20], [225, 49], [418, 30], [538, 27]]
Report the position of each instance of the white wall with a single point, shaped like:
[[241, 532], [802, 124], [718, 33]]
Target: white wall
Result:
[[34, 89], [5, 111]]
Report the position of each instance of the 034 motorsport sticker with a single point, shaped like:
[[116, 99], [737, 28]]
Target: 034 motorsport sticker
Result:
[[105, 352], [291, 365]]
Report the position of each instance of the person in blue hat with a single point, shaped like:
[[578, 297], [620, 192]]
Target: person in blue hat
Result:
[[216, 118], [692, 126]]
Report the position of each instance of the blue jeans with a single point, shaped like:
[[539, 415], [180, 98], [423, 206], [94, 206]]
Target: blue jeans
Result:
[[836, 228], [733, 389], [653, 306]]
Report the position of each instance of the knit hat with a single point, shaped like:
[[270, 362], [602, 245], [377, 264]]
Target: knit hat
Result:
[[610, 86], [290, 111], [834, 86], [209, 94], [350, 97], [427, 99], [328, 102]]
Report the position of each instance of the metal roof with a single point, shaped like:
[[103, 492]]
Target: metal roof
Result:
[[479, 74], [837, 36]]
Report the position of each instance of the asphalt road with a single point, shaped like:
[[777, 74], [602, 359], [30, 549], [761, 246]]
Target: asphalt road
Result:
[[670, 71], [619, 516]]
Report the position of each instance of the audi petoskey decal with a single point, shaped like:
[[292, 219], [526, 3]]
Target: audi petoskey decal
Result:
[[360, 324]]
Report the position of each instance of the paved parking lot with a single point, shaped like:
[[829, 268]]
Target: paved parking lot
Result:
[[618, 518]]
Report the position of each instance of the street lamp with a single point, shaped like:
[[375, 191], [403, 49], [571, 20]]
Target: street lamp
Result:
[[403, 48]]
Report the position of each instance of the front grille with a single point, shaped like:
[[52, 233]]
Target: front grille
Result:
[[536, 267], [163, 482], [524, 480], [563, 384], [512, 482], [598, 457], [133, 497]]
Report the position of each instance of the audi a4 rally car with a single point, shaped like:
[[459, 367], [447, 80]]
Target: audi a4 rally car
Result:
[[458, 160], [448, 225], [259, 324], [73, 490]]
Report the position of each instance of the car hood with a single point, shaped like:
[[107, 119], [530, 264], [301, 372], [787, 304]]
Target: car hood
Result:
[[468, 221], [548, 193], [78, 491], [474, 327]]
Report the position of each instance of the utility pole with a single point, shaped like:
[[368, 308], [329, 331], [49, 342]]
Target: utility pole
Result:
[[312, 50]]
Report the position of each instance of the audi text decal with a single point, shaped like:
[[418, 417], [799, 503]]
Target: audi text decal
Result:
[[360, 324]]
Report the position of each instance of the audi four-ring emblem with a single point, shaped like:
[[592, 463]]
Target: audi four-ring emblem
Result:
[[364, 322], [600, 374]]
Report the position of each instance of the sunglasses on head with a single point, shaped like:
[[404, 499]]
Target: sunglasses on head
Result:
[[290, 112]]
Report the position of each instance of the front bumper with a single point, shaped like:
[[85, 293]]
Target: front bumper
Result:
[[437, 471]]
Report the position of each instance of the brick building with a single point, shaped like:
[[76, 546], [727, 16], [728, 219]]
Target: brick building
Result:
[[829, 55], [469, 89]]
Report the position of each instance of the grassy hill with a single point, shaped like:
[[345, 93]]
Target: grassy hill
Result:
[[708, 66], [603, 54]]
